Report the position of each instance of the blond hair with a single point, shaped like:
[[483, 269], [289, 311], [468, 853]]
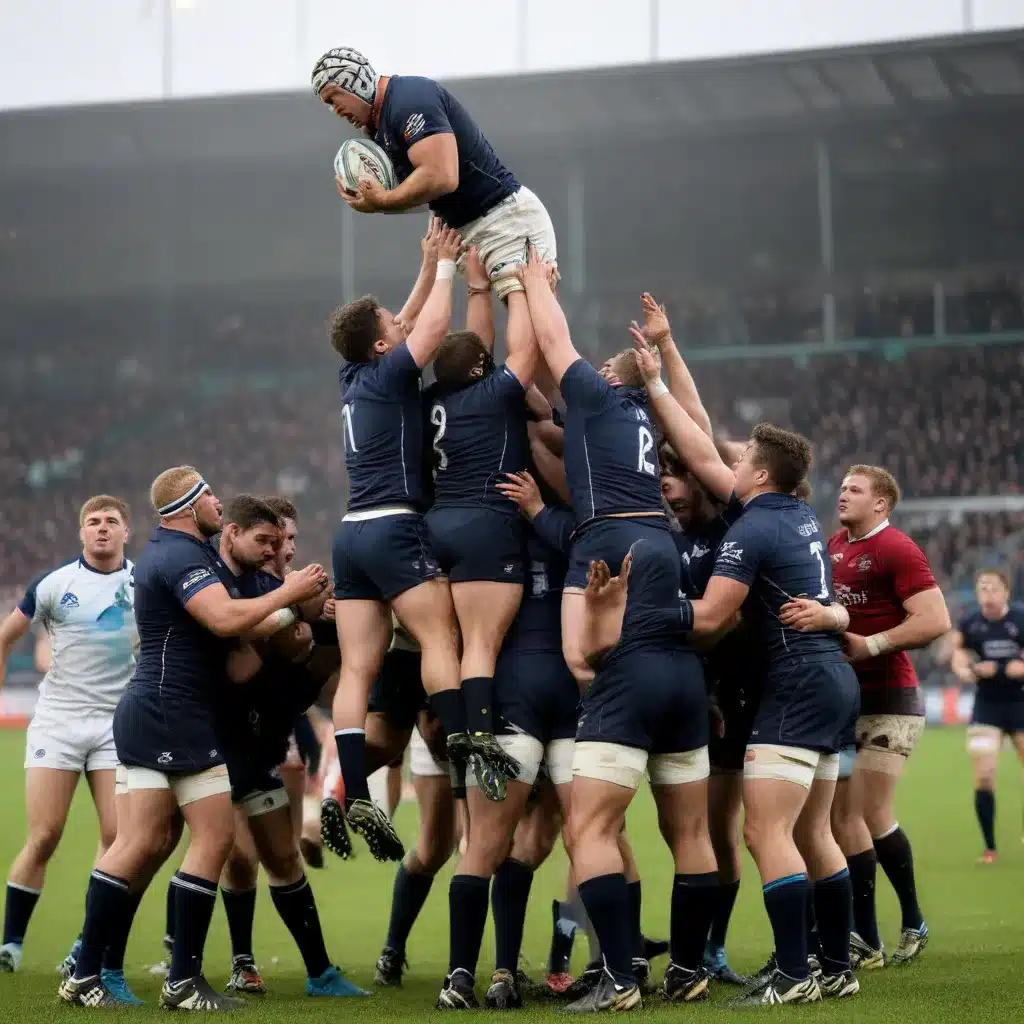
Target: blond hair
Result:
[[171, 484], [103, 502], [883, 483]]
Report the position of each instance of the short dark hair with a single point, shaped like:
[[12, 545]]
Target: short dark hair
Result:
[[354, 327], [460, 354], [784, 453], [284, 508], [246, 511]]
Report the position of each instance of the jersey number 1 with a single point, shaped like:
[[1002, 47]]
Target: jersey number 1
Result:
[[816, 548], [346, 429]]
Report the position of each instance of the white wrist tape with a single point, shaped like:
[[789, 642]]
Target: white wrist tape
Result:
[[656, 388], [445, 270], [284, 618], [878, 644], [841, 617]]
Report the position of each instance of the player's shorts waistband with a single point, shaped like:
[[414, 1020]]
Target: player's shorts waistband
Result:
[[378, 513], [657, 519]]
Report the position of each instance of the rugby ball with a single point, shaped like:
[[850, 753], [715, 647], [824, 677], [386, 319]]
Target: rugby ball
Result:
[[361, 158]]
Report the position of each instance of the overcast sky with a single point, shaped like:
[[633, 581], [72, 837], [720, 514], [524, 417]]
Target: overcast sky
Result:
[[89, 51]]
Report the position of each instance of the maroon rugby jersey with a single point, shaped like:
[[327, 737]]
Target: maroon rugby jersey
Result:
[[873, 576]]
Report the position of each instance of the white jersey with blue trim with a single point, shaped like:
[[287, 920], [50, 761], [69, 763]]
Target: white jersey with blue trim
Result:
[[91, 621]]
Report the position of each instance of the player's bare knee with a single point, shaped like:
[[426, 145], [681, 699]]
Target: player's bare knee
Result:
[[43, 841], [240, 871], [283, 867], [432, 853]]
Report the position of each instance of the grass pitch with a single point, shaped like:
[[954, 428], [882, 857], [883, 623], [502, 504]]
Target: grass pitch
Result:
[[969, 972]]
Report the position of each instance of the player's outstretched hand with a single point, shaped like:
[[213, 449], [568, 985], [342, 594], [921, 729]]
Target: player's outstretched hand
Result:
[[986, 669], [303, 584], [806, 616], [535, 273], [647, 358], [656, 329], [428, 243], [449, 243], [476, 274], [598, 578], [523, 490]]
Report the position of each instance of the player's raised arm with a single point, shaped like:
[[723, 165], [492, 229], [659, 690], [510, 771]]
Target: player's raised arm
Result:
[[657, 331], [693, 446], [409, 313], [479, 308], [206, 599], [433, 322], [523, 352], [549, 323], [12, 629]]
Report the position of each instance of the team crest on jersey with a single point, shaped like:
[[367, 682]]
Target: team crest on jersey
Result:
[[729, 552], [69, 601], [863, 564], [837, 557], [415, 124], [698, 551]]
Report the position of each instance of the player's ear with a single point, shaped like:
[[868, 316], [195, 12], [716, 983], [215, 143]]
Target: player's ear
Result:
[[380, 346]]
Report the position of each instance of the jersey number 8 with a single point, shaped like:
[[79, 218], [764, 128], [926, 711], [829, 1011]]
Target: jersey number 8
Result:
[[439, 418]]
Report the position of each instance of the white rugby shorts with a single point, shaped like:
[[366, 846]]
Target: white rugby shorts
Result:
[[421, 761], [70, 741], [501, 236]]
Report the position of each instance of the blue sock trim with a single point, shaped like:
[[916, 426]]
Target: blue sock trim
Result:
[[837, 877], [785, 880]]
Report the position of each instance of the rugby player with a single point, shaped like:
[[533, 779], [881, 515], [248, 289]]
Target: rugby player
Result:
[[382, 559], [645, 711], [733, 668], [895, 605], [442, 159], [169, 757], [987, 654], [398, 718], [810, 699], [611, 459], [477, 413], [535, 699], [255, 719], [85, 606]]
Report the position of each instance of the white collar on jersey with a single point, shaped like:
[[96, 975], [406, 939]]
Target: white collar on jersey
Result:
[[871, 533]]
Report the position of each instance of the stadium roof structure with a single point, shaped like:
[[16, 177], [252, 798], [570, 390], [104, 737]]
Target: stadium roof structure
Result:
[[943, 75]]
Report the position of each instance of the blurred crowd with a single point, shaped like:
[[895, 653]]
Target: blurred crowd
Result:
[[105, 398]]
